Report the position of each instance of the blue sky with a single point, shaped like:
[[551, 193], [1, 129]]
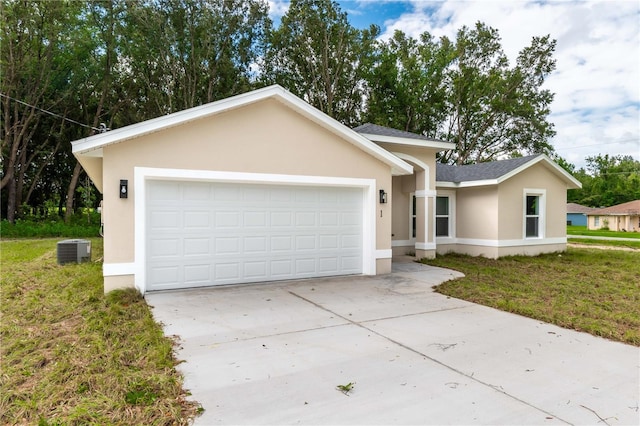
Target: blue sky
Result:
[[597, 81]]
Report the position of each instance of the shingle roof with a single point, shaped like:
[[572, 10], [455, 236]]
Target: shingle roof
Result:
[[374, 129], [480, 171], [629, 208], [578, 208]]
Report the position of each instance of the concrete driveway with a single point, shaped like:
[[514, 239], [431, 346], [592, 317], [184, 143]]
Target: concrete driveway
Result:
[[275, 353]]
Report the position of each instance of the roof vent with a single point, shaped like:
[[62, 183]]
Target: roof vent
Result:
[[74, 251]]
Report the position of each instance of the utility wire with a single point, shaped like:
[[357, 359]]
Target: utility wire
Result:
[[102, 129], [597, 144]]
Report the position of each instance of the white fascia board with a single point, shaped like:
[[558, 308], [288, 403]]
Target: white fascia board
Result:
[[96, 142], [467, 184], [440, 145]]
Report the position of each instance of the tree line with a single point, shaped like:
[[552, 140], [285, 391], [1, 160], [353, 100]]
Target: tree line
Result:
[[73, 68], [606, 180]]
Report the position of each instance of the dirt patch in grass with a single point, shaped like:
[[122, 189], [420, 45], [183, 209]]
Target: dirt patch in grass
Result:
[[586, 289], [71, 355]]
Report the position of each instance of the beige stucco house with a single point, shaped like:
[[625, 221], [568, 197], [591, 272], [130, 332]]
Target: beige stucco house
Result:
[[262, 187], [621, 217]]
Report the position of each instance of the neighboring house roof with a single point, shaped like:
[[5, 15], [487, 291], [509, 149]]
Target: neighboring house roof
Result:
[[92, 146], [378, 133], [495, 172], [578, 208], [624, 209]]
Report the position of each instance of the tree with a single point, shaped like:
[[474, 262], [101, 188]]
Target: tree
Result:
[[609, 180], [316, 54], [465, 92], [184, 53], [36, 44], [494, 110], [407, 87]]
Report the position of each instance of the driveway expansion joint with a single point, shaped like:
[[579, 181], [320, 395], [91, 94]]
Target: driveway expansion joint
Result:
[[496, 388]]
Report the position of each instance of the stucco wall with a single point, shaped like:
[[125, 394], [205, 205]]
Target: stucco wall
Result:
[[512, 198], [477, 212], [616, 222], [402, 186], [266, 137]]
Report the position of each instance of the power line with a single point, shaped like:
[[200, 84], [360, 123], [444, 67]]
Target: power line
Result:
[[597, 144], [100, 130]]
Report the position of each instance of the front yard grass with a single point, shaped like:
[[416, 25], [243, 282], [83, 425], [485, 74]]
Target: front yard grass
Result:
[[71, 355], [582, 230], [590, 290]]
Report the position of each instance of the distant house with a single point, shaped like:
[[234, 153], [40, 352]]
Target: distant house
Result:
[[621, 217], [577, 214]]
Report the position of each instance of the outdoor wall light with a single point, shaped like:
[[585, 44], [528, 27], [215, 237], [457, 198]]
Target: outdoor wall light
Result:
[[124, 188], [383, 197]]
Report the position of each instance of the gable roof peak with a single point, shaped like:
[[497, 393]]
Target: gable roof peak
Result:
[[495, 172]]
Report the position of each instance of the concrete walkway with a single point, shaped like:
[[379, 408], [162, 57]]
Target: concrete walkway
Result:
[[275, 353]]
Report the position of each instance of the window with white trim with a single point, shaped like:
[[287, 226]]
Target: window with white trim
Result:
[[442, 216], [596, 221], [534, 208]]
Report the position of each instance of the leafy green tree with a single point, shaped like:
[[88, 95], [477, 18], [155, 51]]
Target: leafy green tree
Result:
[[465, 91], [607, 181], [37, 38], [407, 86], [493, 109], [184, 53], [317, 55]]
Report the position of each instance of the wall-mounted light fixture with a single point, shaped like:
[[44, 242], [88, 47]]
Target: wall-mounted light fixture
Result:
[[383, 197], [124, 188]]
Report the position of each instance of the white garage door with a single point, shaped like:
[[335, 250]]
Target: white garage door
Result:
[[202, 234]]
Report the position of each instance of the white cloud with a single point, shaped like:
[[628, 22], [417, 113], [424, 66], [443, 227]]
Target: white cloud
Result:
[[597, 81], [277, 8]]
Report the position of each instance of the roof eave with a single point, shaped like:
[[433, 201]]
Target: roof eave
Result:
[[467, 184], [423, 143]]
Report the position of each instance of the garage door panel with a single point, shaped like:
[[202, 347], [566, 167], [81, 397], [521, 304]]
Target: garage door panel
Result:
[[227, 245], [255, 245], [164, 220], [229, 272], [202, 234], [227, 219], [256, 271], [197, 219], [305, 242], [197, 192], [164, 247], [281, 219], [197, 274], [280, 243], [254, 219], [197, 247]]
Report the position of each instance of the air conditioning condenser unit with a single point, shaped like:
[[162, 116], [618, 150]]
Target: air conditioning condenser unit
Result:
[[74, 251]]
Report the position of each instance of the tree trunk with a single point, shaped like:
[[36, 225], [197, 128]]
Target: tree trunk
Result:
[[71, 191], [11, 201]]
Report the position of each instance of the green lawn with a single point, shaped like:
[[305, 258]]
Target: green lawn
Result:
[[582, 230], [70, 355], [591, 290]]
